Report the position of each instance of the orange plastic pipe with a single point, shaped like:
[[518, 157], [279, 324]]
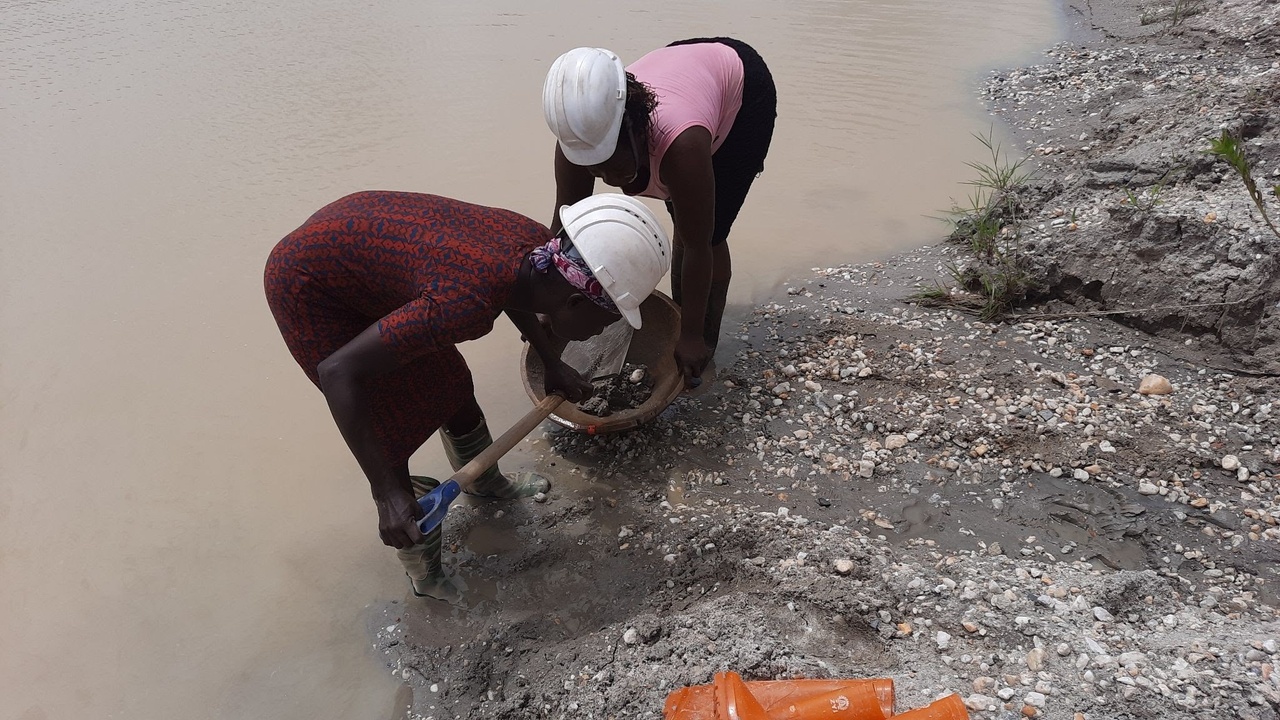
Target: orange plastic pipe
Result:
[[734, 701], [697, 702], [855, 702], [778, 694], [950, 707]]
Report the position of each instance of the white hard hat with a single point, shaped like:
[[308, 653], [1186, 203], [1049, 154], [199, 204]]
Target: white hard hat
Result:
[[623, 245], [583, 99]]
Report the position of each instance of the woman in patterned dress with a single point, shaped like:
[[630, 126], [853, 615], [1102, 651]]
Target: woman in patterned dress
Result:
[[373, 292]]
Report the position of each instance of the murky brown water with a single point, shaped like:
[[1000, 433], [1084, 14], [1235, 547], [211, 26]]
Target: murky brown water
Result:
[[182, 531]]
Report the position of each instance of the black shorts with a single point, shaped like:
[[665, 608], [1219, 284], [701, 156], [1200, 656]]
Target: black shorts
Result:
[[740, 158]]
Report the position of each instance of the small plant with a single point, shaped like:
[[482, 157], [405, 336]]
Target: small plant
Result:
[[937, 294], [1173, 16], [990, 223], [1000, 176], [1229, 148], [1148, 198]]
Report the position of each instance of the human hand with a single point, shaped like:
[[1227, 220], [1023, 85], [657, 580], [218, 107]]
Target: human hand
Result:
[[692, 356], [398, 516], [564, 380]]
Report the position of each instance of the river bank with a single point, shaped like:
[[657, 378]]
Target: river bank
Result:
[[872, 488]]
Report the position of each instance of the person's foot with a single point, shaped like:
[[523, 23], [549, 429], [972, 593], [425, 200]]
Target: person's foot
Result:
[[519, 485], [436, 587]]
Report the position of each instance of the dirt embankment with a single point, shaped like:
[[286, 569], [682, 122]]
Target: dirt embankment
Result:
[[871, 488], [1128, 108]]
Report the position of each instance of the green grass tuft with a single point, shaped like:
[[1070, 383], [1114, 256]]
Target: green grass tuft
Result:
[[1229, 148], [990, 223]]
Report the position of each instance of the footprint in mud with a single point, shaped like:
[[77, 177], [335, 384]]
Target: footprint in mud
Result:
[[1096, 523]]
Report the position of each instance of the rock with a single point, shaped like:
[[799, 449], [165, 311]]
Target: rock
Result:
[[637, 375], [895, 442], [1064, 649], [944, 640], [540, 497], [1147, 488], [1132, 659], [1035, 699], [1106, 447], [1080, 474], [802, 434], [631, 637], [1006, 693], [1102, 615], [1035, 659], [844, 566], [1155, 385], [980, 703], [866, 468], [970, 626], [1230, 462]]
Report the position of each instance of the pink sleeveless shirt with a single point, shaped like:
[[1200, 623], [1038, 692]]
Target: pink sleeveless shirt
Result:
[[696, 85]]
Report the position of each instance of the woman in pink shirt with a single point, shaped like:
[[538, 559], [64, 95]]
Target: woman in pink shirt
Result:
[[689, 124]]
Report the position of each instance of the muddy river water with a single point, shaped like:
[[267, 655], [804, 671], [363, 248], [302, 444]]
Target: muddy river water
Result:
[[182, 532]]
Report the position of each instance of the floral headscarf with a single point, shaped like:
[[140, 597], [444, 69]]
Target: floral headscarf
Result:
[[574, 269]]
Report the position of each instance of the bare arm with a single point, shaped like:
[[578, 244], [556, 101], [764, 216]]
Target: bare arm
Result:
[[560, 378], [573, 183], [342, 377], [687, 173]]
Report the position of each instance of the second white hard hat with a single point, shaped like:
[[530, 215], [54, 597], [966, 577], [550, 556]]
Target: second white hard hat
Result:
[[583, 99], [623, 245]]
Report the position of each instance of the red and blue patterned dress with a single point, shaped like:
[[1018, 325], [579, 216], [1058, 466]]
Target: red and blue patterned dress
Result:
[[430, 271]]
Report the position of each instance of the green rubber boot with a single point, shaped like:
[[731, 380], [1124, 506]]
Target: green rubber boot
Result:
[[422, 562], [492, 483]]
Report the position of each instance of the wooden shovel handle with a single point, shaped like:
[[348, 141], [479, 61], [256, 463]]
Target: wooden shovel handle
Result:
[[490, 455]]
